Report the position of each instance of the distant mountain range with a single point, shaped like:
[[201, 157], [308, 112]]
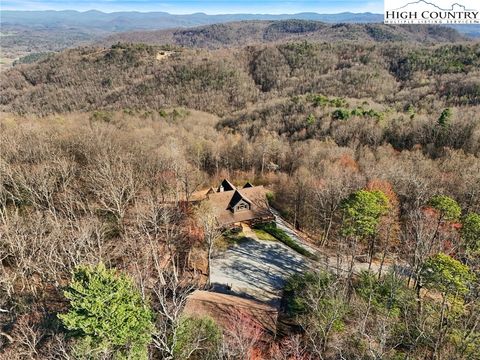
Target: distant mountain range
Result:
[[126, 21], [97, 22], [32, 34]]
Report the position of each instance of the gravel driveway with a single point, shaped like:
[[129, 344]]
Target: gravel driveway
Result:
[[256, 269]]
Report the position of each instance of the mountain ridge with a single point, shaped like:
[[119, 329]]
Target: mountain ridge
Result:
[[159, 20], [243, 33]]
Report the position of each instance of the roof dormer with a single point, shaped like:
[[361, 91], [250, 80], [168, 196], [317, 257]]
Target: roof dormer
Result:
[[226, 185], [239, 202]]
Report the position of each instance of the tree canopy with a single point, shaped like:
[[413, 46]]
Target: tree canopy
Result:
[[446, 206], [446, 274], [108, 313], [198, 338], [471, 232], [445, 117], [363, 210]]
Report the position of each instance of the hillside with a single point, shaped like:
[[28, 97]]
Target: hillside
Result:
[[256, 32], [351, 122], [26, 33], [133, 20], [29, 32], [219, 81]]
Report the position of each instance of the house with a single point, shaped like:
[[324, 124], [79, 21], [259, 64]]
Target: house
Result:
[[233, 205]]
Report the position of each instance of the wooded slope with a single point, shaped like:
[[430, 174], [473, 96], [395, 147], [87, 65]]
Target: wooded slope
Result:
[[256, 32], [146, 77]]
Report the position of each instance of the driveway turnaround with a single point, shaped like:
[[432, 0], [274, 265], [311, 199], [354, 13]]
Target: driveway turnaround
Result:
[[256, 269]]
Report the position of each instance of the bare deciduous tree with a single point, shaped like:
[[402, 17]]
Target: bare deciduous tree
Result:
[[170, 297], [211, 231]]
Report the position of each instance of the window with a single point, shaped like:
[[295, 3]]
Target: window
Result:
[[242, 206]]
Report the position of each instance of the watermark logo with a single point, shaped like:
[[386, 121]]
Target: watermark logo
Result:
[[431, 12]]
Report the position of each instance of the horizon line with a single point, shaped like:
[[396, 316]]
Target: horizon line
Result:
[[195, 13]]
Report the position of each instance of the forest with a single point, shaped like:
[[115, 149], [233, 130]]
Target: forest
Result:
[[369, 148], [137, 76]]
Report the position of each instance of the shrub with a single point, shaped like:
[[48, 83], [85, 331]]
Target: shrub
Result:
[[316, 301], [310, 119], [197, 338], [341, 114], [321, 100], [389, 293], [298, 284], [445, 116], [101, 116], [270, 197]]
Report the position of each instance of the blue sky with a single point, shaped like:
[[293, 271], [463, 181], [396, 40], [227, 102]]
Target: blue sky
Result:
[[192, 6]]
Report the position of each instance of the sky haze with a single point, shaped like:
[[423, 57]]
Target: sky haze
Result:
[[193, 6]]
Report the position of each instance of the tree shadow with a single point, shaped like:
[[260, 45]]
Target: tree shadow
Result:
[[262, 267]]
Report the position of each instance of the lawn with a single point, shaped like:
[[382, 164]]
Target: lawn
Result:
[[229, 239], [263, 235], [272, 230]]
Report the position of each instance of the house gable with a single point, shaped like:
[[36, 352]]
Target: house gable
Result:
[[247, 185], [239, 202], [242, 205], [226, 185]]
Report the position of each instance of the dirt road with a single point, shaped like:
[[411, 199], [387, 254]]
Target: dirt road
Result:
[[334, 262]]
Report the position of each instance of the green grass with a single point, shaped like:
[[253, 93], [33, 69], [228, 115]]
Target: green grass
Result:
[[279, 234], [228, 239], [237, 238], [263, 235]]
